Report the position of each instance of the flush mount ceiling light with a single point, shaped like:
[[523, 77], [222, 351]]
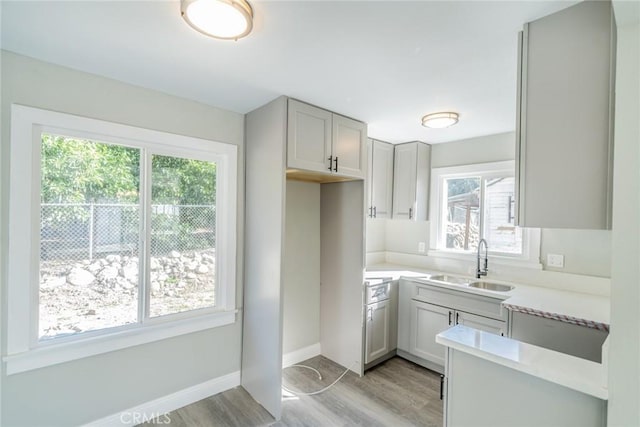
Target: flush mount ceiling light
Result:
[[440, 120], [222, 19]]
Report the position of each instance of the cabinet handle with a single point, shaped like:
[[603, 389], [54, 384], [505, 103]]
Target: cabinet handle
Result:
[[375, 212], [457, 318], [370, 314], [378, 293], [371, 212], [410, 213], [330, 162], [450, 318], [441, 387], [336, 160]]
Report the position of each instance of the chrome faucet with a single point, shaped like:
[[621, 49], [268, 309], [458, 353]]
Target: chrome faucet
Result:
[[483, 271]]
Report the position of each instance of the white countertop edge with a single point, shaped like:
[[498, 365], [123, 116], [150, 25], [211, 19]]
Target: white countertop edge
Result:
[[569, 371]]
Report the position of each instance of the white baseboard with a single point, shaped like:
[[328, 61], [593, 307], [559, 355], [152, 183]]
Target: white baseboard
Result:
[[298, 356], [155, 410]]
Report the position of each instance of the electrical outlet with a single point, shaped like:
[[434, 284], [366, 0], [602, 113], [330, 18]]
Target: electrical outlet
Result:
[[422, 247], [555, 260]]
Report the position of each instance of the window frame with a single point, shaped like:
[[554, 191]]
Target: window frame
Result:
[[530, 256], [24, 349]]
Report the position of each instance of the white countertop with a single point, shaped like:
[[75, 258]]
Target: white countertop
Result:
[[394, 271], [573, 372], [553, 303]]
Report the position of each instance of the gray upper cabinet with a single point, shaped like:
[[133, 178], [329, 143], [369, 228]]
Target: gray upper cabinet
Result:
[[380, 179], [309, 137], [565, 110], [411, 176], [369, 179], [323, 142], [349, 146]]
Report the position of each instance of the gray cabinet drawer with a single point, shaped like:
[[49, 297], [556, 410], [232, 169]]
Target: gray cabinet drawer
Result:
[[462, 301]]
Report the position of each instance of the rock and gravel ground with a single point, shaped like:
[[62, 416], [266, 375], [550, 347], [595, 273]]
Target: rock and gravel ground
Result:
[[79, 296]]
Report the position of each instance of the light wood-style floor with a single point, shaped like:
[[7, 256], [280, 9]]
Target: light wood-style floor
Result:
[[396, 393]]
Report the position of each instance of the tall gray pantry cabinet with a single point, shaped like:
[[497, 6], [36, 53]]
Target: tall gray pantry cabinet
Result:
[[289, 139]]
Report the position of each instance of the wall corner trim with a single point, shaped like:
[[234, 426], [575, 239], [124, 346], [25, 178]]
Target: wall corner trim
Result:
[[300, 355], [155, 409]]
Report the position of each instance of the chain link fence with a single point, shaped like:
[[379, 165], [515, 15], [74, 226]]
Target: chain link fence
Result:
[[182, 228], [88, 231]]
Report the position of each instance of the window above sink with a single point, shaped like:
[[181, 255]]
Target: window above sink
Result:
[[476, 201]]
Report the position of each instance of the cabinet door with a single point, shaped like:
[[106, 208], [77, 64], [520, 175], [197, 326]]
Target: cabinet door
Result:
[[564, 148], [423, 182], [382, 179], [369, 185], [308, 137], [481, 323], [405, 292], [427, 321], [377, 331], [349, 146], [404, 181]]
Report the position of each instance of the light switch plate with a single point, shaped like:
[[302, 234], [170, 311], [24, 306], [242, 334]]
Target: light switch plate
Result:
[[422, 247], [555, 260]]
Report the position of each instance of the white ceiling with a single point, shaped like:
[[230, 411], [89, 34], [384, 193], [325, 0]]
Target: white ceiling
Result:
[[384, 62]]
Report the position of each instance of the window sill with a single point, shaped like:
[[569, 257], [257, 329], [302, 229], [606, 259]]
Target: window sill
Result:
[[502, 260], [53, 354]]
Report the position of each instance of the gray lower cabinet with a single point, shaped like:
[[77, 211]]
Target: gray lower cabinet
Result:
[[378, 330], [560, 336], [427, 321], [425, 310], [405, 290], [482, 323], [484, 393]]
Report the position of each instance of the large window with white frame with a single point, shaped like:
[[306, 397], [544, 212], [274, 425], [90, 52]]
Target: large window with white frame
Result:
[[119, 236], [477, 201]]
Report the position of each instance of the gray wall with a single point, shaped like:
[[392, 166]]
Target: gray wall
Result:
[[586, 252], [84, 390], [376, 235], [483, 149], [403, 236], [301, 313]]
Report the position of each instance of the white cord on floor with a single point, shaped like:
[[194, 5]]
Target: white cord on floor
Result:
[[299, 393], [308, 367]]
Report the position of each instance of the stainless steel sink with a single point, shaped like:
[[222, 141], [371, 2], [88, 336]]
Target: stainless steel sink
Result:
[[490, 286], [445, 278]]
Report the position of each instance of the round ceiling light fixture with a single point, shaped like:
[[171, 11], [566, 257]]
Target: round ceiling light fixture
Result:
[[440, 120], [222, 19]]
